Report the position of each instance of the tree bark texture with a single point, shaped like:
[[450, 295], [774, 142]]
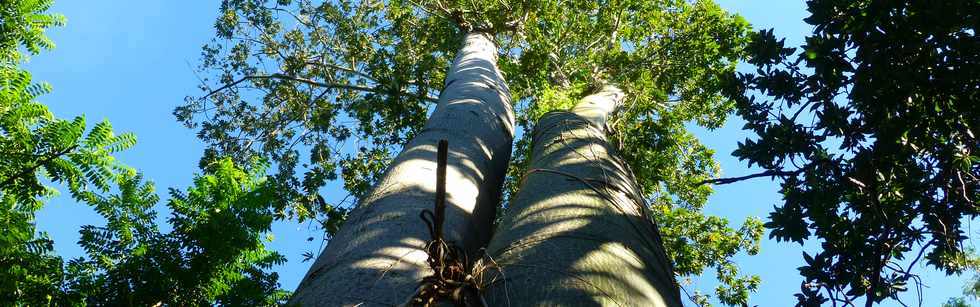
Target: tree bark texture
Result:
[[377, 258], [578, 232]]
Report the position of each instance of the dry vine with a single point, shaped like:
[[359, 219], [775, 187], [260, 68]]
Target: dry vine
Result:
[[454, 278]]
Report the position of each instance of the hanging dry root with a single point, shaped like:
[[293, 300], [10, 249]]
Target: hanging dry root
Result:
[[453, 280]]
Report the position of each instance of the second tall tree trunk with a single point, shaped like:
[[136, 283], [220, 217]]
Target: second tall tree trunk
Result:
[[578, 232], [377, 258]]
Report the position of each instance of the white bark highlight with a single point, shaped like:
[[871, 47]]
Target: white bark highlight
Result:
[[377, 258], [578, 232], [597, 108]]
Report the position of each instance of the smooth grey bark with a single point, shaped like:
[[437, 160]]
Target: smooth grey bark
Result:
[[578, 232], [377, 258]]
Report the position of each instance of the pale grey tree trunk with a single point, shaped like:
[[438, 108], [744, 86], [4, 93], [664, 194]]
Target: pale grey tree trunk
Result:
[[578, 232], [377, 258]]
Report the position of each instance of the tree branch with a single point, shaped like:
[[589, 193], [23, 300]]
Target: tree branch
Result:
[[315, 83], [31, 169], [768, 173], [338, 67]]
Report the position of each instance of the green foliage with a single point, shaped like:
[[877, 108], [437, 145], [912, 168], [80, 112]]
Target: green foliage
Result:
[[38, 148], [956, 302], [345, 82], [870, 130], [215, 253], [696, 242], [970, 293], [971, 290], [22, 24], [329, 90], [671, 58]]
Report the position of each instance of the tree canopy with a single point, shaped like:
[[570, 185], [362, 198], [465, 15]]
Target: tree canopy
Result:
[[214, 254], [330, 90], [869, 129], [38, 148]]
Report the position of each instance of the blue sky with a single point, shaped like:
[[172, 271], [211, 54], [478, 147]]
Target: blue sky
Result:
[[132, 62]]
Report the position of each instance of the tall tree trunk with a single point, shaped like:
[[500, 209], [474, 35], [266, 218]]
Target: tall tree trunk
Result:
[[578, 232], [378, 256]]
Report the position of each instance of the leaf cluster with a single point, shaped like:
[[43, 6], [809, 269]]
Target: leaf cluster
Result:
[[325, 90], [22, 24], [870, 129], [38, 149], [215, 253]]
